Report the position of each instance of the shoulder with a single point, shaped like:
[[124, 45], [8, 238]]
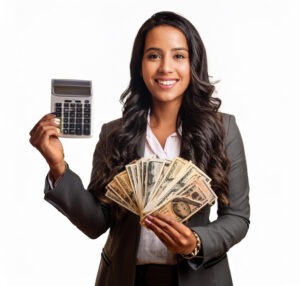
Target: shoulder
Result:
[[227, 119], [114, 123], [111, 126], [233, 138], [229, 124]]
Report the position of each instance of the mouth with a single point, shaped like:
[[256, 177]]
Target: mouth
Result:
[[166, 83]]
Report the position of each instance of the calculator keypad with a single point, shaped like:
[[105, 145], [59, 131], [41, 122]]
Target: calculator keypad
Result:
[[75, 117]]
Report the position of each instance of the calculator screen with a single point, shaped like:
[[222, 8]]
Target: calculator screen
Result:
[[72, 90]]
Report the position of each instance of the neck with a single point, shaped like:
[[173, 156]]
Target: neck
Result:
[[164, 116]]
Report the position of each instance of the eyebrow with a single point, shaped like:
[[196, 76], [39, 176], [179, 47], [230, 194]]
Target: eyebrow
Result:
[[159, 50]]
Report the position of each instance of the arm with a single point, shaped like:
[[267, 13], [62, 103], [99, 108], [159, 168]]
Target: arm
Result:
[[69, 195], [79, 205], [232, 223], [233, 220]]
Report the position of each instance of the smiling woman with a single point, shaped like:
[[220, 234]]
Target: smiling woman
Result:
[[168, 111]]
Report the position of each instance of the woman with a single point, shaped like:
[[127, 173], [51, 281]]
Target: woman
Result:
[[168, 111]]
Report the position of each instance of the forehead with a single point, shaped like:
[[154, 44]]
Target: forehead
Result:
[[165, 37]]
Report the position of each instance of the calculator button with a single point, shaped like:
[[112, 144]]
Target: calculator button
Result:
[[75, 116], [78, 129], [86, 129]]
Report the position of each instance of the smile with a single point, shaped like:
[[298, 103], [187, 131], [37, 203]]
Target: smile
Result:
[[166, 83]]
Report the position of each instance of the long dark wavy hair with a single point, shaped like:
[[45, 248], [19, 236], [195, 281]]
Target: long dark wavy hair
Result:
[[202, 128]]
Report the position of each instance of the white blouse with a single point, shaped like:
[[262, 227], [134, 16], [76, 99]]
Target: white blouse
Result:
[[151, 249]]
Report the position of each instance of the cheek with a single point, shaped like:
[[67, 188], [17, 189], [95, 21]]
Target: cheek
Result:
[[144, 76], [186, 73], [145, 73]]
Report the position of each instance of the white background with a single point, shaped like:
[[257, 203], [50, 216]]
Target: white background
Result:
[[253, 48]]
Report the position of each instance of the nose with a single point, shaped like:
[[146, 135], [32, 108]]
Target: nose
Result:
[[165, 65]]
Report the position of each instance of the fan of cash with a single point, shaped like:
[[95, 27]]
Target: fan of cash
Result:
[[176, 188]]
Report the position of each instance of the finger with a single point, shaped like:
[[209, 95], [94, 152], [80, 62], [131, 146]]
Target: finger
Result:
[[164, 226], [165, 238], [182, 236], [48, 118], [42, 135], [178, 226]]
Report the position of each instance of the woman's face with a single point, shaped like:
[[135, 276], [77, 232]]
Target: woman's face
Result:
[[166, 64]]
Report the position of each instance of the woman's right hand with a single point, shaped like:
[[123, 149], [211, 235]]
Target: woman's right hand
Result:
[[44, 136]]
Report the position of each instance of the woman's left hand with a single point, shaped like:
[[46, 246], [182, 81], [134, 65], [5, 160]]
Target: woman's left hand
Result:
[[174, 235]]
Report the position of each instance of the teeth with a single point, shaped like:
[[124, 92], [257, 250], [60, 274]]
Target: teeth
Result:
[[166, 82]]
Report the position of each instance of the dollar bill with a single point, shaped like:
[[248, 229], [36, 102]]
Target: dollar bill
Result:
[[171, 172], [120, 201], [181, 208], [123, 180], [133, 174], [188, 174], [154, 169], [174, 186], [207, 190], [177, 188]]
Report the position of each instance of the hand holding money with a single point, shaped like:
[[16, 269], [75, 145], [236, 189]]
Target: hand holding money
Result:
[[177, 237], [175, 188]]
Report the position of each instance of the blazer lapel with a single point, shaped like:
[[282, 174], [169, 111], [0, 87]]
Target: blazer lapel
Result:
[[141, 147]]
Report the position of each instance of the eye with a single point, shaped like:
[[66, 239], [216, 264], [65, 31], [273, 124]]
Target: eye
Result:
[[179, 56], [153, 56]]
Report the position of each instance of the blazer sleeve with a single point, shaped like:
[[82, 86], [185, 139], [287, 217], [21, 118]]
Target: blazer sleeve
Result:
[[232, 223], [79, 205]]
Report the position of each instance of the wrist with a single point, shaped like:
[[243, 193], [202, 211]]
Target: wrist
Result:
[[195, 251], [57, 170]]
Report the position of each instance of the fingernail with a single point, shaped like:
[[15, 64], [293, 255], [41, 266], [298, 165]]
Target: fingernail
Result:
[[148, 222], [150, 217], [57, 120], [58, 130]]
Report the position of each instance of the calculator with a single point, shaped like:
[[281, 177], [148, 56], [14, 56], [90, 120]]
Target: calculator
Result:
[[71, 101]]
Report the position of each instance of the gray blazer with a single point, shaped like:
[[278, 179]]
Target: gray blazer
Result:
[[118, 257]]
